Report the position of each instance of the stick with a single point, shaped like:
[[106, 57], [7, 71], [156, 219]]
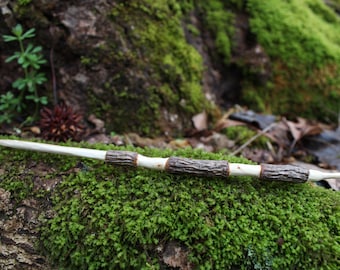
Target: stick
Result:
[[179, 165], [238, 150]]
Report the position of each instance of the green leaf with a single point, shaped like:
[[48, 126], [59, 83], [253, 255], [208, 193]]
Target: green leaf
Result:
[[25, 64], [33, 97], [8, 38], [9, 95], [30, 86], [35, 65], [29, 34], [3, 107], [21, 60], [5, 117], [29, 49], [37, 49], [11, 58], [41, 60], [19, 84], [17, 30], [32, 58], [43, 100], [40, 78]]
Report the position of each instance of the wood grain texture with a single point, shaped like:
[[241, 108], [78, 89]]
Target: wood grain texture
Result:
[[287, 173], [206, 168], [122, 158]]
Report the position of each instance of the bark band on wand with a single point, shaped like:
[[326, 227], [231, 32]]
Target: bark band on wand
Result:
[[179, 165]]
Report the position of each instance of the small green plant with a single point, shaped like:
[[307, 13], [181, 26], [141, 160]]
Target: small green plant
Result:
[[242, 134], [24, 2], [30, 59]]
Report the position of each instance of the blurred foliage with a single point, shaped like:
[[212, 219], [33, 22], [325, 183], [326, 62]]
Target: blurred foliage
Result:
[[218, 18], [301, 39]]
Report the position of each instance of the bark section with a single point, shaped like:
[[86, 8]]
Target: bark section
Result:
[[205, 168], [287, 173], [122, 158]]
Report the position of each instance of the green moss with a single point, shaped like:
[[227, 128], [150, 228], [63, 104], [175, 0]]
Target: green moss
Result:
[[157, 67], [334, 4], [24, 2], [219, 19], [313, 33], [89, 61], [242, 134], [115, 218], [301, 38], [17, 177], [193, 30]]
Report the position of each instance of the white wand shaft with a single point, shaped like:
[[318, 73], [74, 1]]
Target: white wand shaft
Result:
[[178, 165]]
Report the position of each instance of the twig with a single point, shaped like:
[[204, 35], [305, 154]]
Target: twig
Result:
[[54, 83], [238, 150]]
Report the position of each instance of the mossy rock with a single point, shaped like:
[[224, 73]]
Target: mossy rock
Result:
[[158, 74], [301, 39], [141, 77], [116, 218]]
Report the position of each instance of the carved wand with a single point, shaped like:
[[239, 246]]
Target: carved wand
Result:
[[179, 165]]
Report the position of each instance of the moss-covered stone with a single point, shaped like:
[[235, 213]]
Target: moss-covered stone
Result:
[[114, 218], [301, 38], [158, 72], [149, 74], [219, 19]]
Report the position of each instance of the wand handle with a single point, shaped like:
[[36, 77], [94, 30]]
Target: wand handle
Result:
[[208, 168]]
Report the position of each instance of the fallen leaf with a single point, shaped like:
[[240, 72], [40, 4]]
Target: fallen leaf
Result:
[[300, 129], [179, 143], [99, 125], [258, 155], [200, 121], [35, 130], [218, 141], [250, 117], [225, 122], [325, 146]]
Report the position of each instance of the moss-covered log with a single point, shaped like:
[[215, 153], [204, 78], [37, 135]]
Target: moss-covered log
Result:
[[104, 217]]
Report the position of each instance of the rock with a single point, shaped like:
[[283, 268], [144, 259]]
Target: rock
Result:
[[176, 255], [5, 203], [18, 235]]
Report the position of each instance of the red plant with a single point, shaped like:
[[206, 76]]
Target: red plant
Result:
[[61, 124]]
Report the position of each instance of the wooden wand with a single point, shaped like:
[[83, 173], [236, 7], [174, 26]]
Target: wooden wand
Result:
[[179, 165]]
